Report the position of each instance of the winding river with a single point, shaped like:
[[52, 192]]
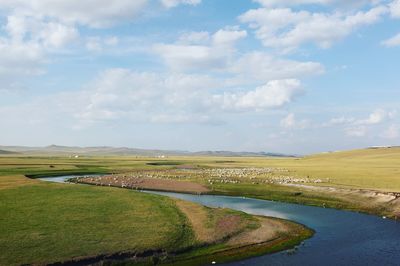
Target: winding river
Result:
[[341, 238]]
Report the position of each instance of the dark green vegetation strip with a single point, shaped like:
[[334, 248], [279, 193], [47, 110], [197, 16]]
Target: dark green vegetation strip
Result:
[[161, 163]]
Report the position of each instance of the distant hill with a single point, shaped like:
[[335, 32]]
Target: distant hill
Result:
[[120, 151], [6, 152], [376, 152], [242, 154]]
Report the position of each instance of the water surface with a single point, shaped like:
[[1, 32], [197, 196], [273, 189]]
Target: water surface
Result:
[[341, 238]]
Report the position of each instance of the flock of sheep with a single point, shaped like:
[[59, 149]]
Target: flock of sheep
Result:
[[218, 175]]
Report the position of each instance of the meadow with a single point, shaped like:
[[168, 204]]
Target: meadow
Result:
[[367, 169]]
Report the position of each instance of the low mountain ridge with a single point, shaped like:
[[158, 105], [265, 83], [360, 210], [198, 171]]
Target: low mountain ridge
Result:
[[119, 151]]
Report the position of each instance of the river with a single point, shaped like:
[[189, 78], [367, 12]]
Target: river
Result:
[[341, 238]]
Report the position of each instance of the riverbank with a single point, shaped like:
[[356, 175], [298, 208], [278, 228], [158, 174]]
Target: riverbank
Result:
[[385, 204]]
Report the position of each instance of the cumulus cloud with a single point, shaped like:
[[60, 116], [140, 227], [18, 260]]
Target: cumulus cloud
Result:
[[375, 121], [288, 29], [125, 94], [93, 13], [23, 51], [215, 54], [195, 37], [97, 44], [261, 66], [376, 117], [48, 34], [359, 131], [274, 94], [392, 132], [290, 122], [174, 3], [340, 121], [395, 9], [392, 42], [20, 59], [272, 3], [130, 96], [121, 92]]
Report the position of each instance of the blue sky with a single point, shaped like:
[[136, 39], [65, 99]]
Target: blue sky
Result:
[[293, 76]]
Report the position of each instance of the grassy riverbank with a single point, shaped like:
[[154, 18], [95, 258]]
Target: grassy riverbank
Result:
[[47, 222]]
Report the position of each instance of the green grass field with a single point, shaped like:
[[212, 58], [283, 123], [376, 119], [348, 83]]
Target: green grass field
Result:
[[55, 222]]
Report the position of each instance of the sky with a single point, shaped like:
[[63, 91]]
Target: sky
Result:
[[290, 76]]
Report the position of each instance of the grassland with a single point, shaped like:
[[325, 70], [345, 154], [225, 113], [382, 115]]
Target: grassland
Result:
[[368, 169], [44, 223], [359, 177], [49, 223]]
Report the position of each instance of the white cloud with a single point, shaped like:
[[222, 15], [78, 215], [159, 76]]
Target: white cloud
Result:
[[216, 52], [195, 37], [376, 117], [227, 38], [215, 55], [392, 132], [392, 42], [395, 9], [174, 3], [57, 35], [96, 43], [24, 51], [372, 124], [190, 57], [288, 29], [20, 59], [93, 13], [122, 93], [359, 131], [290, 122], [260, 66], [273, 3], [111, 41], [274, 94], [143, 97], [340, 121], [48, 34], [93, 44]]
